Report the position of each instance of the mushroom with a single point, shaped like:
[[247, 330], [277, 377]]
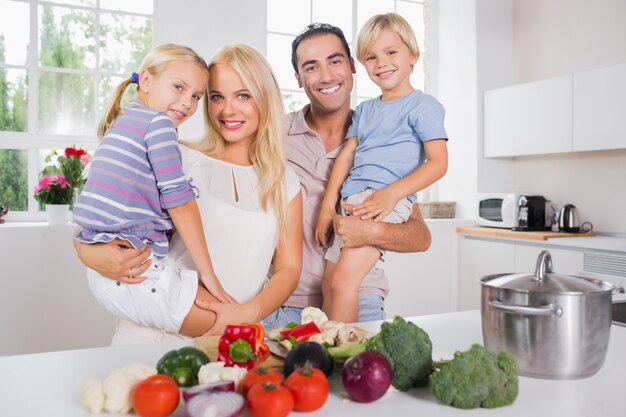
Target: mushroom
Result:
[[351, 335], [275, 334], [331, 328], [322, 338]]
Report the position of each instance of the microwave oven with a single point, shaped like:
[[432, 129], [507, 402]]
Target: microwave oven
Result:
[[513, 211]]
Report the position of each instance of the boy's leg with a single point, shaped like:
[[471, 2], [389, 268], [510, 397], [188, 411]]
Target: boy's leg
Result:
[[329, 269], [344, 283]]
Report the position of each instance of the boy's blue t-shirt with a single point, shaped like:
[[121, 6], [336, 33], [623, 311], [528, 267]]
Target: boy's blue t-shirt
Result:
[[391, 135]]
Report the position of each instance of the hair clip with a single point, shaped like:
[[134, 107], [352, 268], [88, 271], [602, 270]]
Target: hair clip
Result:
[[134, 78]]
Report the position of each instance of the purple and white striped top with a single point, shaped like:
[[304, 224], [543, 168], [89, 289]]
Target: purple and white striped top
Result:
[[135, 176]]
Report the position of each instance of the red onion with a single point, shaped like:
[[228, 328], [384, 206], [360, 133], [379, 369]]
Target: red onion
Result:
[[218, 404], [367, 376], [220, 386]]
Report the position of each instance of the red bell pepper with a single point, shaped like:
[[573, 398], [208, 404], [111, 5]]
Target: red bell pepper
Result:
[[301, 333], [242, 345]]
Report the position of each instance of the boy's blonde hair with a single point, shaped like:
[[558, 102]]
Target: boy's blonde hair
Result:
[[266, 151], [154, 62], [372, 28]]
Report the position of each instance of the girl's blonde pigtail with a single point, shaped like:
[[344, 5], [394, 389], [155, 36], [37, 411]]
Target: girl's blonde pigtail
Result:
[[113, 109]]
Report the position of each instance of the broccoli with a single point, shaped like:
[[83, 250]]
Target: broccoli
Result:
[[407, 348], [477, 377]]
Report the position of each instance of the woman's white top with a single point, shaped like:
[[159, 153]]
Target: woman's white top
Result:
[[241, 236]]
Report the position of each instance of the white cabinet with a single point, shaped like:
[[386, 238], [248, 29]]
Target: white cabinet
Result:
[[529, 119], [478, 258], [563, 261], [600, 109], [425, 283], [584, 111]]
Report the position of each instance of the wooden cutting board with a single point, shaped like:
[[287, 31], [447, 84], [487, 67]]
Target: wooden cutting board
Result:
[[511, 234], [208, 344]]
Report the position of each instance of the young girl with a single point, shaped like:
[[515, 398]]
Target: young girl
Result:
[[395, 147], [249, 199], [136, 189]]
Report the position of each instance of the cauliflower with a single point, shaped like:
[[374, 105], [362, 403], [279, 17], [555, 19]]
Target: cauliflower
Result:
[[113, 394], [92, 395], [216, 371], [313, 314]]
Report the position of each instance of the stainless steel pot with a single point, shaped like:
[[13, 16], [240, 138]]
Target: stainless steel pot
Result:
[[556, 326]]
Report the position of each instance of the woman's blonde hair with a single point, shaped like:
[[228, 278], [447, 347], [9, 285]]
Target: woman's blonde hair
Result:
[[266, 150], [155, 62], [372, 28]]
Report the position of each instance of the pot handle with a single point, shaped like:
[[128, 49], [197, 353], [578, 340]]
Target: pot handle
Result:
[[547, 310]]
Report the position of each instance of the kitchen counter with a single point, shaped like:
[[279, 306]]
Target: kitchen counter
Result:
[[512, 234], [49, 383], [580, 241]]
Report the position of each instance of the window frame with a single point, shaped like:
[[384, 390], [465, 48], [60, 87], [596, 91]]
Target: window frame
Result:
[[31, 140]]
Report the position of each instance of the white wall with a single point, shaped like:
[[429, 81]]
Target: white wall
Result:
[[206, 26], [557, 37], [455, 88]]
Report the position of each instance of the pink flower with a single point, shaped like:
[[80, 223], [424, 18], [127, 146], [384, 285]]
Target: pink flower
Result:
[[45, 181], [85, 159], [60, 179]]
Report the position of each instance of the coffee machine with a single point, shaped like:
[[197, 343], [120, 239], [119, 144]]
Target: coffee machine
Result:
[[531, 213]]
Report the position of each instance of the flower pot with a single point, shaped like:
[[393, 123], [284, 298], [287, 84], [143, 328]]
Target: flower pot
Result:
[[58, 214]]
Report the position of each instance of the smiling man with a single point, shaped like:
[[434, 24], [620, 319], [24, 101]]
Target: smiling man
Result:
[[324, 69]]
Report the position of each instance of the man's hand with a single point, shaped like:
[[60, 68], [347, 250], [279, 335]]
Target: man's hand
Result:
[[411, 236], [354, 232], [116, 260]]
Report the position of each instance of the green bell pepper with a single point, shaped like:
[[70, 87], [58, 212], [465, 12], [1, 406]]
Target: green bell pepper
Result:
[[183, 365]]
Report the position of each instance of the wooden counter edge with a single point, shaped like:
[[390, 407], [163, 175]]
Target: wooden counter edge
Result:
[[507, 233]]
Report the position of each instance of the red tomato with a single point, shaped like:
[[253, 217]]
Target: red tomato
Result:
[[269, 400], [260, 374], [309, 388], [156, 396]]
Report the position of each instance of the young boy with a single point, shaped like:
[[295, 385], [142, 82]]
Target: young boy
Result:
[[395, 147]]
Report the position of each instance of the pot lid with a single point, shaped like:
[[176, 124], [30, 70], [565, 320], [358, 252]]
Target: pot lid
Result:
[[544, 280]]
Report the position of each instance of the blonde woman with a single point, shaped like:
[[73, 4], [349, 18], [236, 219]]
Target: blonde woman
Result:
[[250, 202]]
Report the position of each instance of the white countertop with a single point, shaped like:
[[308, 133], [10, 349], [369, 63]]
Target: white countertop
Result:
[[48, 384]]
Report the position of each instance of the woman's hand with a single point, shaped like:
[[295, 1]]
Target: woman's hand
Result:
[[116, 260], [214, 286], [227, 314]]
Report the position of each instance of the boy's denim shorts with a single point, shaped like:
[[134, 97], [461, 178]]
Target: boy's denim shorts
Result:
[[371, 308]]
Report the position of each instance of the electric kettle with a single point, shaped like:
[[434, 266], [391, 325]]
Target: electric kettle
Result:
[[568, 219]]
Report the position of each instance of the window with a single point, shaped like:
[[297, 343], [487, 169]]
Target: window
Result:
[[60, 61], [287, 18]]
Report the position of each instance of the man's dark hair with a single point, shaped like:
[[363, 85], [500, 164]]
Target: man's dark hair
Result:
[[315, 29]]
